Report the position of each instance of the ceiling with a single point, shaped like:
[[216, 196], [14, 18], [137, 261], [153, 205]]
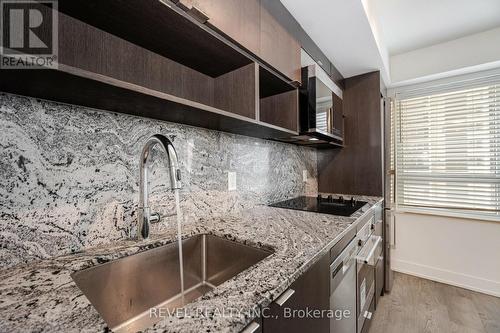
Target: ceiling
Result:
[[407, 25], [342, 31], [359, 36]]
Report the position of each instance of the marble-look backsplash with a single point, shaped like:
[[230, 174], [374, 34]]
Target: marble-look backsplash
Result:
[[69, 176]]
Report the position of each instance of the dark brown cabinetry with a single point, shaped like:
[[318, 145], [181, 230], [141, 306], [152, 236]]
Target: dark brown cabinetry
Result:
[[237, 19], [357, 168], [166, 65], [311, 291], [280, 110], [250, 24], [278, 47]]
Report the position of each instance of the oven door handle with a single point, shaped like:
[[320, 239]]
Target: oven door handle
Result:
[[368, 258]]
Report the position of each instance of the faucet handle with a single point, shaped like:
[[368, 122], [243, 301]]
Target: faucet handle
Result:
[[154, 218]]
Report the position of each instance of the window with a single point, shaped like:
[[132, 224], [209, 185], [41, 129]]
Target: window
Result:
[[447, 152]]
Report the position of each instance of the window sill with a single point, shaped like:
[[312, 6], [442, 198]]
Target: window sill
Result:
[[446, 213]]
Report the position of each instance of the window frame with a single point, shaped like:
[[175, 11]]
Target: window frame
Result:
[[426, 89]]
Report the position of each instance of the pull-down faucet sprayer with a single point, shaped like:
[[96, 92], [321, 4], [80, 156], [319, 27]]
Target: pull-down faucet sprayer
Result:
[[145, 216]]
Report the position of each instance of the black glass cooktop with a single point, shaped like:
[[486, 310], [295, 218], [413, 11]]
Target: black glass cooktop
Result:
[[325, 205]]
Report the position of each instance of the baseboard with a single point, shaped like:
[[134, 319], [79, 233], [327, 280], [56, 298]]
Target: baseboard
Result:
[[465, 281]]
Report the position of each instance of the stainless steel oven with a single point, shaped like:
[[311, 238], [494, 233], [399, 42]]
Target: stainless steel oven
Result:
[[343, 290], [370, 248]]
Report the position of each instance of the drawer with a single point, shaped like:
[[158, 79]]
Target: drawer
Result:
[[365, 220], [371, 251], [366, 230]]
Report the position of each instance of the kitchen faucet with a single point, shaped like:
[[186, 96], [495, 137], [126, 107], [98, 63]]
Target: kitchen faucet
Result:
[[145, 217]]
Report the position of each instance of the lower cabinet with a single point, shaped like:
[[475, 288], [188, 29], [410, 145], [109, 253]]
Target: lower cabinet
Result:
[[238, 19], [298, 309], [305, 306]]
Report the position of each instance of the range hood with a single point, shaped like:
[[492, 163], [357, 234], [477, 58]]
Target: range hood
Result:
[[320, 108]]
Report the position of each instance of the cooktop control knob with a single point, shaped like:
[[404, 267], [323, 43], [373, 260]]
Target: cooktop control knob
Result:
[[330, 198], [353, 202], [341, 199], [319, 197]]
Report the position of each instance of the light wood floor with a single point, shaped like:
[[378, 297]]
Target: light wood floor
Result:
[[417, 305]]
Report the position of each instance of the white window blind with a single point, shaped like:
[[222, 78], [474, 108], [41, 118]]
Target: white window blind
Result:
[[448, 148]]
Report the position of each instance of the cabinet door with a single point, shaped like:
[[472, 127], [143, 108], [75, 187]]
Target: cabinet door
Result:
[[278, 47], [238, 19], [311, 291], [338, 116]]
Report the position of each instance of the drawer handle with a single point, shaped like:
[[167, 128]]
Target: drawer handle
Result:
[[285, 297], [198, 14], [368, 315], [370, 254], [252, 328]]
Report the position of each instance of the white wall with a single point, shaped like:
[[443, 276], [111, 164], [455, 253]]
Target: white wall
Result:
[[457, 55], [457, 251], [326, 22]]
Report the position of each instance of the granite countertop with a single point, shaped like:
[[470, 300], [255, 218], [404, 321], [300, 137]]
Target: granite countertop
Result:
[[42, 296]]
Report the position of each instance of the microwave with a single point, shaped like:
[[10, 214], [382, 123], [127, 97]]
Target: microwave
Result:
[[320, 107]]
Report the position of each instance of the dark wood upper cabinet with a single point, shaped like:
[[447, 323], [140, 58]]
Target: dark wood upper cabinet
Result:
[[153, 59], [357, 168], [253, 26], [280, 110], [159, 28], [237, 19], [278, 47]]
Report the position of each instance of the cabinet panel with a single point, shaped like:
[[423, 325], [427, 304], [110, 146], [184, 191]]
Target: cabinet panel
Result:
[[249, 23], [357, 168], [312, 291], [236, 91], [281, 110], [278, 47], [338, 116], [238, 19]]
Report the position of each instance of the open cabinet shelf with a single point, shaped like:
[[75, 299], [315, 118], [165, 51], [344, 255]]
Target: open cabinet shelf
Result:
[[160, 27], [278, 101], [148, 59], [70, 85]]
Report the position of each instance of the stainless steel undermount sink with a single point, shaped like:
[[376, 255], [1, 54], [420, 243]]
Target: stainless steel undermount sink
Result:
[[123, 291]]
